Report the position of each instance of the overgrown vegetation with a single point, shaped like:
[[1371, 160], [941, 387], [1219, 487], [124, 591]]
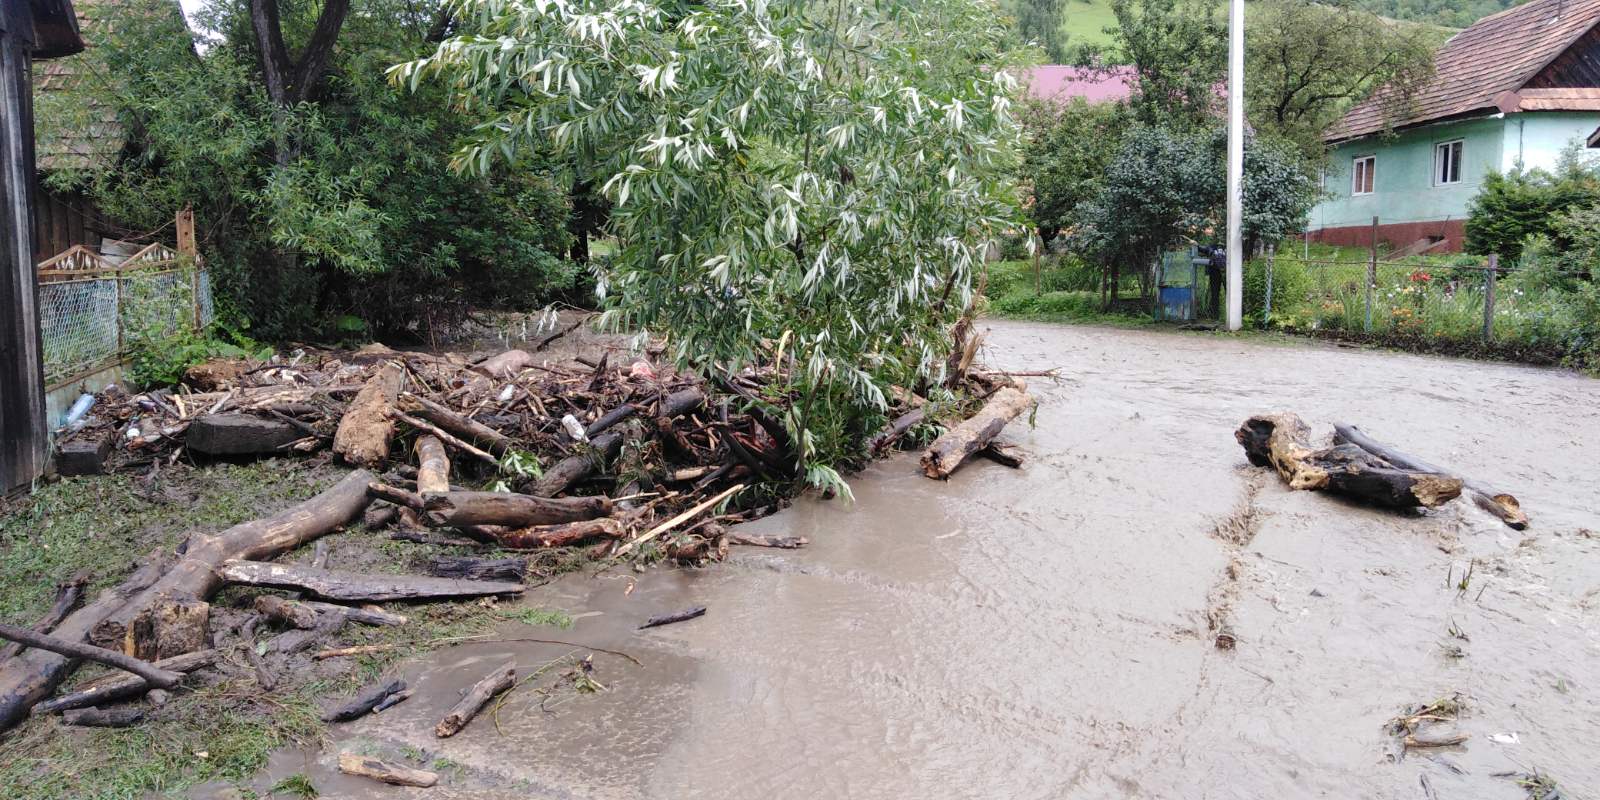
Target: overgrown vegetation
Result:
[[792, 182]]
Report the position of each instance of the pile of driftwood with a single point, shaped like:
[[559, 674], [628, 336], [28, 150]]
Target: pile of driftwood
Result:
[[1360, 467], [510, 452]]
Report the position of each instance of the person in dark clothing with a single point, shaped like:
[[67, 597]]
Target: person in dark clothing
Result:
[[1216, 264]]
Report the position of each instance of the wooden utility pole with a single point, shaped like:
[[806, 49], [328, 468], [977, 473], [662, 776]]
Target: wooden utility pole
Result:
[[28, 29]]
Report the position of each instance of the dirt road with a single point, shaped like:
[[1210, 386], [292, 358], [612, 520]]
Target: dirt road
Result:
[[1047, 633]]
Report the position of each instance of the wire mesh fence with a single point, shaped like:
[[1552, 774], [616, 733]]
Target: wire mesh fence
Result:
[[93, 311]]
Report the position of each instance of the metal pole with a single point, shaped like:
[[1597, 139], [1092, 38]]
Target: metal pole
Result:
[[1266, 317], [1235, 164], [1372, 273]]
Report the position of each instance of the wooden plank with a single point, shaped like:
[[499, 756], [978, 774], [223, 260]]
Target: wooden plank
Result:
[[24, 444]]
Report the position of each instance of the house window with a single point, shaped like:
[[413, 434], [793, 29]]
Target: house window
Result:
[[1361, 175], [1447, 163]]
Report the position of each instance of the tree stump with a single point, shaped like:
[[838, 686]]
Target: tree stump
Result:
[[1280, 441]]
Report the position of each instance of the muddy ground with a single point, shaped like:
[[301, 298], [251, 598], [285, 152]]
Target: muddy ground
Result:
[[1048, 633]]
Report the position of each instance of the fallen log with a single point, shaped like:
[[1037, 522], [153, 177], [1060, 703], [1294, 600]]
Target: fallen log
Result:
[[330, 584], [895, 430], [507, 364], [122, 685], [962, 441], [1280, 441], [363, 435], [486, 437], [385, 771], [195, 576], [456, 509], [104, 717], [68, 595], [371, 616], [676, 616], [1502, 505], [396, 495], [157, 677], [1001, 453], [433, 466], [566, 535], [392, 700], [85, 453], [437, 539], [428, 427], [293, 613], [476, 698], [239, 434], [364, 701], [478, 569]]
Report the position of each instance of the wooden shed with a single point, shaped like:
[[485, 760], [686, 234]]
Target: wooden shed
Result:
[[29, 30]]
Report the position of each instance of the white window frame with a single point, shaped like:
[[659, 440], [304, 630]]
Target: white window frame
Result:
[[1439, 156], [1356, 173]]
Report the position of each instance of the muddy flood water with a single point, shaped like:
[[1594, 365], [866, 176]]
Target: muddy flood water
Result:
[[1048, 632]]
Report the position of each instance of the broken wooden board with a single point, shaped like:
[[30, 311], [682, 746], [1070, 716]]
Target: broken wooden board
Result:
[[335, 585]]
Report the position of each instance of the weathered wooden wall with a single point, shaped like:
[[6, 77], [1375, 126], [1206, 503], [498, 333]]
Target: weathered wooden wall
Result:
[[62, 220], [23, 440]]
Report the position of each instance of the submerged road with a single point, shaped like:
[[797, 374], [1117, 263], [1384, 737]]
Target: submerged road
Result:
[[1048, 632]]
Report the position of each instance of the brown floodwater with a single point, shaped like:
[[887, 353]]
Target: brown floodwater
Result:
[[1047, 632]]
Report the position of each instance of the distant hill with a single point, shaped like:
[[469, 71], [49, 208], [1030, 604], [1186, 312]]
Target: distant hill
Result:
[[1085, 21]]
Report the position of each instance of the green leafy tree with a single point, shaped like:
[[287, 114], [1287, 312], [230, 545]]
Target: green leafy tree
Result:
[[1070, 145], [345, 173], [1307, 62], [1179, 51], [1039, 21], [815, 182], [1513, 206]]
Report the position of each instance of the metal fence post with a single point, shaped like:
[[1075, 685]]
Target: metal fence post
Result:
[[1266, 317], [1372, 273], [1489, 278]]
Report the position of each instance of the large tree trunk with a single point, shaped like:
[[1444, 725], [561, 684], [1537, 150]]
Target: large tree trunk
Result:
[[330, 584], [457, 509], [1280, 441], [364, 431], [195, 576], [959, 443], [1501, 504], [33, 675]]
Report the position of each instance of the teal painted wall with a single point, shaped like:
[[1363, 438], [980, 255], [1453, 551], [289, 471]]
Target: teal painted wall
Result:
[[1403, 188], [1538, 138]]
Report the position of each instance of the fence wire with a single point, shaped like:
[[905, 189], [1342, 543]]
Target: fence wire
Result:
[[91, 322]]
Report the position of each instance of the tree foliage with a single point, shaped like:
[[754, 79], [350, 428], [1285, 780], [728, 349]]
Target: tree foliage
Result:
[[1070, 145], [379, 227], [1179, 51], [795, 181], [1039, 21], [1307, 62], [1513, 206]]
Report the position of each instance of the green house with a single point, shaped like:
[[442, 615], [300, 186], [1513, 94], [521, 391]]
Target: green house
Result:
[[1514, 89]]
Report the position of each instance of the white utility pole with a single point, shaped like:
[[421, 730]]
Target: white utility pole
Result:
[[1235, 164]]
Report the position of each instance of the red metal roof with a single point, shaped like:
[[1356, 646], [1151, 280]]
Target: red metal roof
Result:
[[1486, 68], [1096, 85]]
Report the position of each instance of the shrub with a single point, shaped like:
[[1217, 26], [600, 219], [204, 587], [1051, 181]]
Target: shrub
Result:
[[1513, 206]]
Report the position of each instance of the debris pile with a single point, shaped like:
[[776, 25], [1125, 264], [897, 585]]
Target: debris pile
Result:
[[512, 452]]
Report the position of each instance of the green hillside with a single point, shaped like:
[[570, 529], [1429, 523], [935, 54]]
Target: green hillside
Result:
[[1085, 21]]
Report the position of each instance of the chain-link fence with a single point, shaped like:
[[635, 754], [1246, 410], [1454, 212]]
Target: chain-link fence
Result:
[[92, 311]]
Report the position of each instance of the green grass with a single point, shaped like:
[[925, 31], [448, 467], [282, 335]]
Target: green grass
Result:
[[224, 727], [1068, 294], [549, 617], [1085, 21]]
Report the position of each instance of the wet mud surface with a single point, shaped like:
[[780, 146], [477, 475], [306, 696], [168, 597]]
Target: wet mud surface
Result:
[[1049, 632]]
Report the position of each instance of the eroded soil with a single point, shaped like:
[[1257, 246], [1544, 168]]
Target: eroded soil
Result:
[[1050, 632]]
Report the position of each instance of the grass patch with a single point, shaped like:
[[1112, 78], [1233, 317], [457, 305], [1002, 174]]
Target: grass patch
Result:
[[549, 617], [1063, 290], [225, 727]]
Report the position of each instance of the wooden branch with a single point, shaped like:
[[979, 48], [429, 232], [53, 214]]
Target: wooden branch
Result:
[[364, 701], [960, 442], [474, 701], [68, 595], [757, 540], [385, 771], [395, 494], [363, 435], [372, 616], [293, 613], [159, 678], [676, 616], [314, 59], [351, 586], [247, 634], [104, 717], [478, 569], [195, 575], [1279, 441], [428, 427], [490, 439], [457, 509], [573, 469], [677, 520], [121, 685], [895, 430], [1502, 505], [566, 535]]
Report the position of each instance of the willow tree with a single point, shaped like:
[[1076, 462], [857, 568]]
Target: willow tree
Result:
[[795, 182]]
